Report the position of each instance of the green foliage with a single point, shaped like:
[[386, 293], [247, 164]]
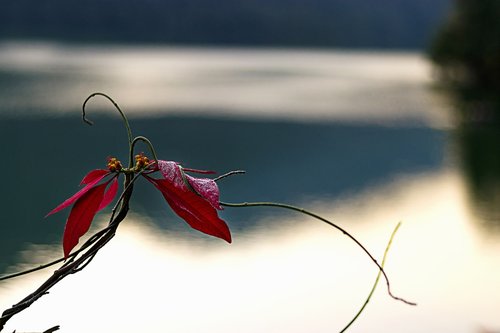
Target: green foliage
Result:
[[467, 48]]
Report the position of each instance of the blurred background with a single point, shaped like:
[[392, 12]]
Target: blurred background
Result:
[[366, 112]]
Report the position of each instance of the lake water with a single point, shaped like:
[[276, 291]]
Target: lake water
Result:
[[361, 138]]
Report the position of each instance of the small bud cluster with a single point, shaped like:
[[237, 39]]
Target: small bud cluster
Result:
[[141, 161], [114, 165]]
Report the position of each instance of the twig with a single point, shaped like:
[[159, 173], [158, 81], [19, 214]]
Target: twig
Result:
[[230, 173], [306, 212], [52, 329], [74, 265], [376, 280], [89, 242]]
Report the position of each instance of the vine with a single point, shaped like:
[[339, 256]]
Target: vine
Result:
[[193, 199]]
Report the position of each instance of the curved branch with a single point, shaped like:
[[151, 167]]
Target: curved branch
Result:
[[230, 173], [52, 329], [303, 211], [376, 280], [75, 264], [148, 143], [124, 117], [88, 243]]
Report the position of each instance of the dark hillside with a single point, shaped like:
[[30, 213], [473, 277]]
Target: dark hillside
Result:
[[330, 23]]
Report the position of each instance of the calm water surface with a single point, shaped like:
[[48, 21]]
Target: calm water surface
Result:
[[359, 137]]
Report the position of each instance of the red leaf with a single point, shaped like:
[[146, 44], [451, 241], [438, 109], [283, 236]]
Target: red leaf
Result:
[[110, 193], [81, 217], [207, 188], [94, 174], [195, 210], [79, 194], [172, 172]]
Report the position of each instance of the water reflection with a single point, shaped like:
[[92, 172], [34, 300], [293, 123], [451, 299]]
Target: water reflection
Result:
[[295, 276], [293, 84], [290, 162], [365, 162]]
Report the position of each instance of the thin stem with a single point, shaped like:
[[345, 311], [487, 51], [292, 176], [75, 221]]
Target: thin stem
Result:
[[127, 187], [376, 280], [148, 143], [125, 120], [306, 212], [230, 173], [74, 264], [31, 270], [52, 329], [89, 242]]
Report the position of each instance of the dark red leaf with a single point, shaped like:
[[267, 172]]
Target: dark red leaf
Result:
[[194, 209], [207, 188], [172, 172], [94, 174], [79, 194], [110, 193], [81, 217]]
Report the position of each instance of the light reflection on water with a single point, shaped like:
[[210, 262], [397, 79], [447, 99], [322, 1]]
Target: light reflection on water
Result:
[[291, 84], [297, 276], [283, 273]]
